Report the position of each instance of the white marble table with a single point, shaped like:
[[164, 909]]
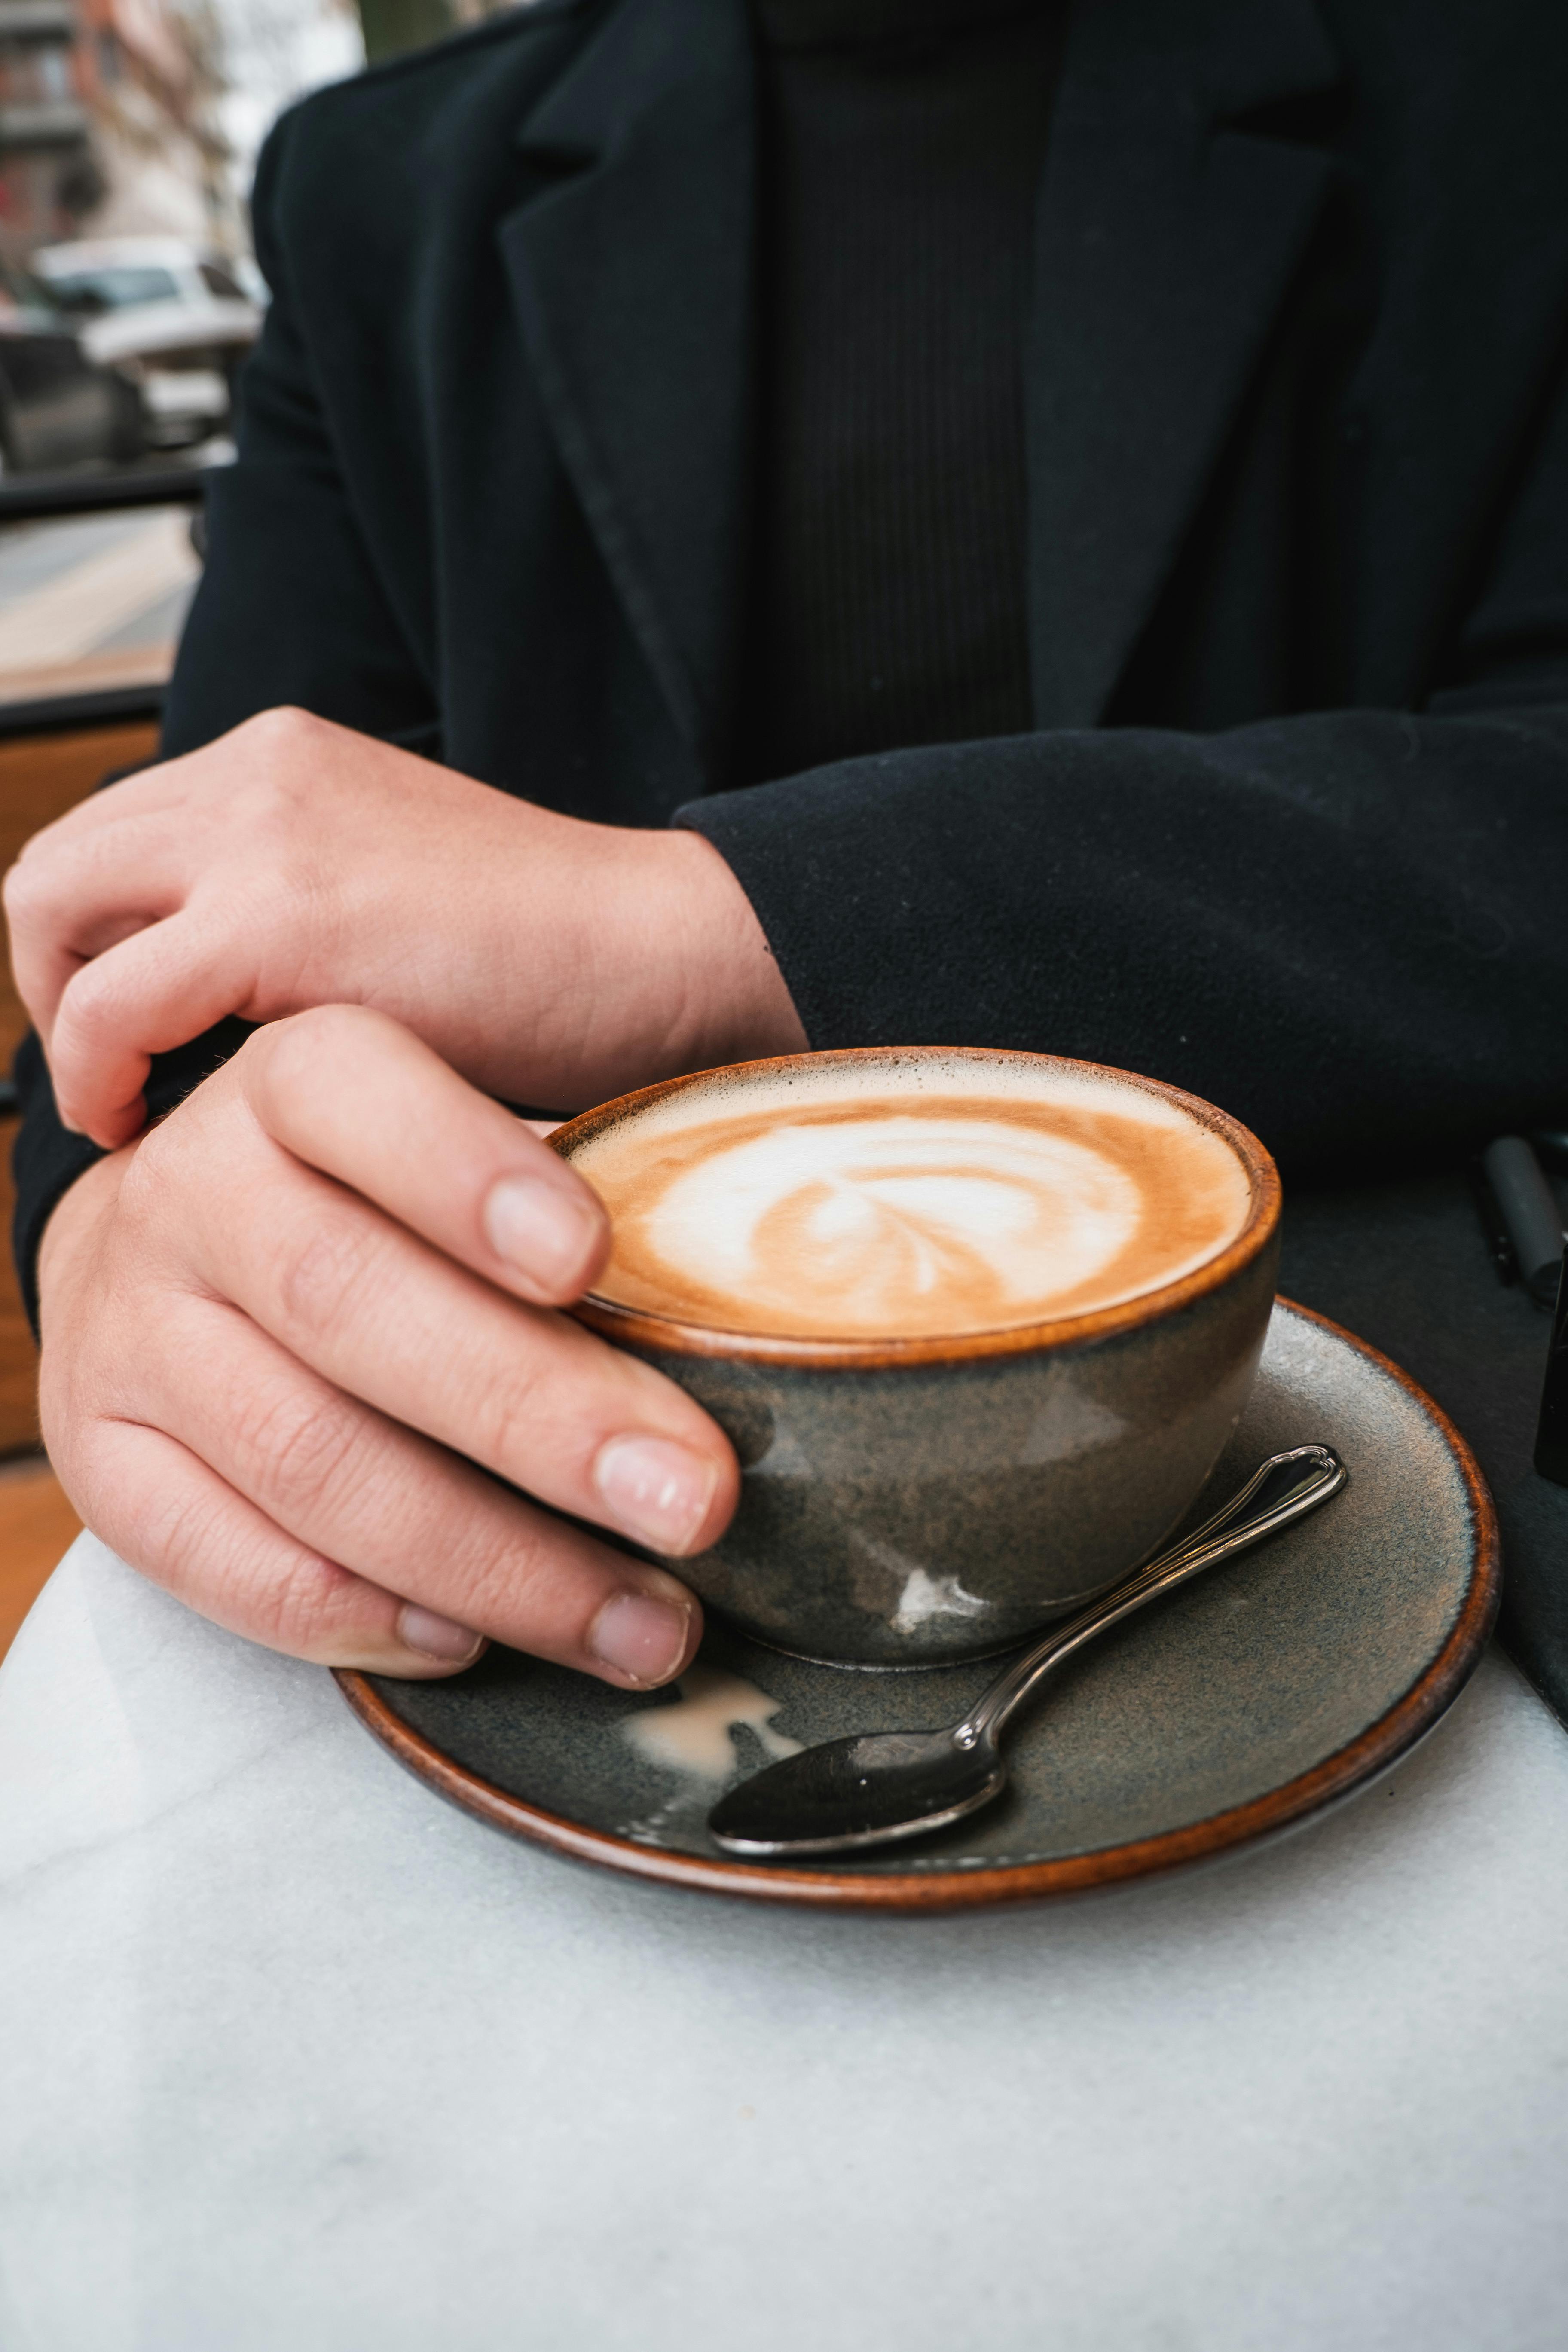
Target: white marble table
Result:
[[294, 2056]]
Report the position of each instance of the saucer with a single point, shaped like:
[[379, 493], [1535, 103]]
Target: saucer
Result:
[[1240, 1705]]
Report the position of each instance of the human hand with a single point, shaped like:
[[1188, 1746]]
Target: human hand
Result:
[[294, 863], [273, 1328]]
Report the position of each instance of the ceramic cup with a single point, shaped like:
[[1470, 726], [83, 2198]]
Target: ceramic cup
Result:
[[909, 1502]]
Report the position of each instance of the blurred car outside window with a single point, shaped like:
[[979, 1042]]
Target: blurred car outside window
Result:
[[173, 321], [221, 282], [61, 406], [112, 287]]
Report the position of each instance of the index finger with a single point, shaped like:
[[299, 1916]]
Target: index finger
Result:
[[404, 1130]]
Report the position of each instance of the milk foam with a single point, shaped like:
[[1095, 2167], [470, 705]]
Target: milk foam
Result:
[[840, 1211], [893, 1217]]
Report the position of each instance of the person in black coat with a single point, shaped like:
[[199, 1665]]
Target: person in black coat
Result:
[[849, 522]]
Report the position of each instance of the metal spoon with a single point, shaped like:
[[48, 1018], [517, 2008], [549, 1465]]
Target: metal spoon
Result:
[[876, 1786]]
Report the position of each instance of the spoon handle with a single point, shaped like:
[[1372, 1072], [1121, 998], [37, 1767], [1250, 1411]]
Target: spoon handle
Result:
[[1233, 1528]]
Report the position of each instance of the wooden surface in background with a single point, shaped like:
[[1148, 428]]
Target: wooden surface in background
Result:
[[18, 1356], [36, 1524], [41, 776]]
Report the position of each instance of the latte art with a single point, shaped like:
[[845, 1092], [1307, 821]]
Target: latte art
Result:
[[882, 1220], [910, 1216]]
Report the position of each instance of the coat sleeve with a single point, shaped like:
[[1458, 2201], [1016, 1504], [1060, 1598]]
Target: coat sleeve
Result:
[[289, 610], [1348, 929]]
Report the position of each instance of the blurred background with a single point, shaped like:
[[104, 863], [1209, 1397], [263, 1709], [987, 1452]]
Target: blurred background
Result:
[[129, 299]]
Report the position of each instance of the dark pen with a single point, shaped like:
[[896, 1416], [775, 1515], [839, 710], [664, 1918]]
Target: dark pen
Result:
[[1526, 1208], [1552, 1430]]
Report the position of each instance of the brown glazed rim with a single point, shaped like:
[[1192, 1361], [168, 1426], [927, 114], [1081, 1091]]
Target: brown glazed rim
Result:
[[635, 1328], [1372, 1752]]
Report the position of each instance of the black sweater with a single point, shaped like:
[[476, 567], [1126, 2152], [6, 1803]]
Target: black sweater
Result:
[[903, 147]]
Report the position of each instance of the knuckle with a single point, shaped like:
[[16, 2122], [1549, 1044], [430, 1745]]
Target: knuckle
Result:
[[172, 1163], [250, 1576], [305, 1603], [319, 1279], [17, 889], [90, 1015], [523, 1585], [301, 1446], [280, 751], [282, 727], [509, 1567], [181, 1531], [509, 1415], [151, 1174], [243, 1570], [284, 1067], [293, 1049], [322, 1031], [27, 892]]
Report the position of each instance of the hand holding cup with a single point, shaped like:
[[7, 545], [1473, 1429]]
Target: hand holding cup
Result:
[[302, 1365]]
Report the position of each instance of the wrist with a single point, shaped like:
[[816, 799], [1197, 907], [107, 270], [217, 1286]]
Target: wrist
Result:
[[697, 972]]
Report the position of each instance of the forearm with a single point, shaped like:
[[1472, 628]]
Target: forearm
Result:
[[1345, 928]]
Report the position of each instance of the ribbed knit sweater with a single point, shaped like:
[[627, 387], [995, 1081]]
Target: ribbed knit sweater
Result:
[[902, 144]]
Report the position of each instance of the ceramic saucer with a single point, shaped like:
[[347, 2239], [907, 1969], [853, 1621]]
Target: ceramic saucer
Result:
[[1239, 1707]]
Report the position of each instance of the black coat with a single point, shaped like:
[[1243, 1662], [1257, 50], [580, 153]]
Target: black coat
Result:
[[1294, 828]]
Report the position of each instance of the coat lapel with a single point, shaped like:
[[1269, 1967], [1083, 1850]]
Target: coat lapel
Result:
[[629, 263], [1165, 241]]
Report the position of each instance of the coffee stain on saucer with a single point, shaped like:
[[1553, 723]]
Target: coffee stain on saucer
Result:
[[694, 1733]]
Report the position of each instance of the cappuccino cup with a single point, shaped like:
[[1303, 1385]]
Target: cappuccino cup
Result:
[[978, 1324]]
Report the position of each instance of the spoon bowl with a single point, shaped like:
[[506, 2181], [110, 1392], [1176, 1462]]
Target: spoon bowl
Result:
[[866, 1790]]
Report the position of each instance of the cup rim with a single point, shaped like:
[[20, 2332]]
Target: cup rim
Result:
[[642, 1328]]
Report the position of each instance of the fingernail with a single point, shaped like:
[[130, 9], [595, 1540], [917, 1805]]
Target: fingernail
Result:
[[546, 1231], [657, 1490], [640, 1637], [438, 1637]]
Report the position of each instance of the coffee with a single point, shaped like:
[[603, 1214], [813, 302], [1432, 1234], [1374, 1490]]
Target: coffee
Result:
[[933, 1198]]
